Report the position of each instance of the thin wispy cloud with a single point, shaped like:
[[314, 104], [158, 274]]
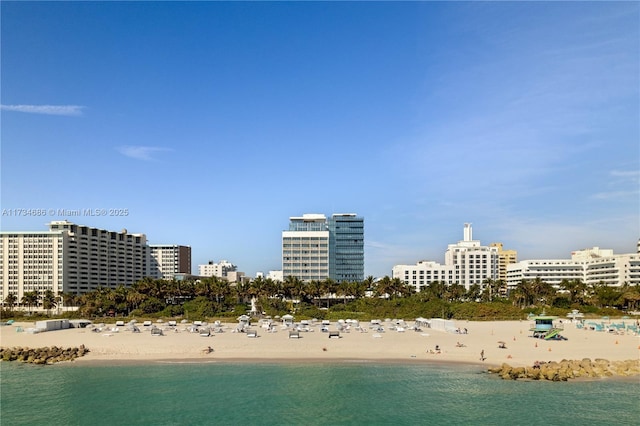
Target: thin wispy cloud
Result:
[[621, 180], [630, 174], [615, 194], [145, 153], [68, 110]]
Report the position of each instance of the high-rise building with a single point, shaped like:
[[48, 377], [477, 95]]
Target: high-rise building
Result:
[[167, 260], [316, 248], [465, 263], [346, 247], [472, 263], [305, 248], [70, 258], [505, 258]]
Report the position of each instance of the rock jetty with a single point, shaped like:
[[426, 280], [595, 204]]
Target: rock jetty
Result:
[[569, 369], [47, 355]]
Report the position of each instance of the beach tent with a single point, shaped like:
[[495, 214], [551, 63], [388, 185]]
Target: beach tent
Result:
[[442, 325], [244, 321], [287, 320]]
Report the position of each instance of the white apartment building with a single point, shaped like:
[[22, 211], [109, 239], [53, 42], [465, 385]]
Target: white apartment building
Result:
[[305, 248], [221, 269], [466, 263], [31, 261], [551, 271], [423, 273], [275, 275], [168, 260], [591, 266], [70, 258]]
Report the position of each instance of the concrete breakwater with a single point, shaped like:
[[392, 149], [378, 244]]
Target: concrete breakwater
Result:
[[569, 369], [47, 355]]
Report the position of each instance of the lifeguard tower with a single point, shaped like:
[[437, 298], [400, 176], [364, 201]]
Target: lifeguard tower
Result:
[[543, 328]]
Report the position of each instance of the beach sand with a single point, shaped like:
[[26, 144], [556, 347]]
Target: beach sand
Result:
[[389, 346]]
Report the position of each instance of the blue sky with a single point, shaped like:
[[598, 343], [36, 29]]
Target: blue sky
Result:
[[214, 122]]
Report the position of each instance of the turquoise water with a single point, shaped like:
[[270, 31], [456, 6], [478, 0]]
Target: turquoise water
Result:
[[301, 394]]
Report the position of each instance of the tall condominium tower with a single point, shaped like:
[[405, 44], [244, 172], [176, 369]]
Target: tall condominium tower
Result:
[[346, 247], [305, 248], [316, 248]]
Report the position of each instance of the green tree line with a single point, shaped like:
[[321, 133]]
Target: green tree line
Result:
[[387, 297]]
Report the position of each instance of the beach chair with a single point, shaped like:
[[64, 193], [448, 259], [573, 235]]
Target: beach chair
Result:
[[294, 334], [334, 334]]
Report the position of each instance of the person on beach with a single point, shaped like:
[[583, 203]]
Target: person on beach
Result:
[[482, 355]]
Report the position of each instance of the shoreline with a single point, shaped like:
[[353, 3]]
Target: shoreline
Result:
[[277, 361]]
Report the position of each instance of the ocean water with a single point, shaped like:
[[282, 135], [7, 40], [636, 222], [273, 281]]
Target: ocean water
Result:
[[301, 394]]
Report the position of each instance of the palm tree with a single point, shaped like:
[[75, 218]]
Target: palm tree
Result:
[[294, 289], [144, 286], [134, 298], [369, 283], [314, 291], [30, 298], [356, 289], [474, 292], [528, 292], [218, 290], [400, 288], [607, 295], [49, 301], [329, 288], [384, 288], [436, 290], [243, 292], [341, 290], [69, 299], [457, 292], [543, 291], [631, 296], [10, 301], [517, 297], [575, 288], [491, 290]]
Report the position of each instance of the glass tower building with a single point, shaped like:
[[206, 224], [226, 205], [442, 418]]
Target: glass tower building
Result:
[[346, 247]]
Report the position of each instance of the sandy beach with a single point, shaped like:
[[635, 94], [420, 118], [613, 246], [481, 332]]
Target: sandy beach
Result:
[[389, 346]]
